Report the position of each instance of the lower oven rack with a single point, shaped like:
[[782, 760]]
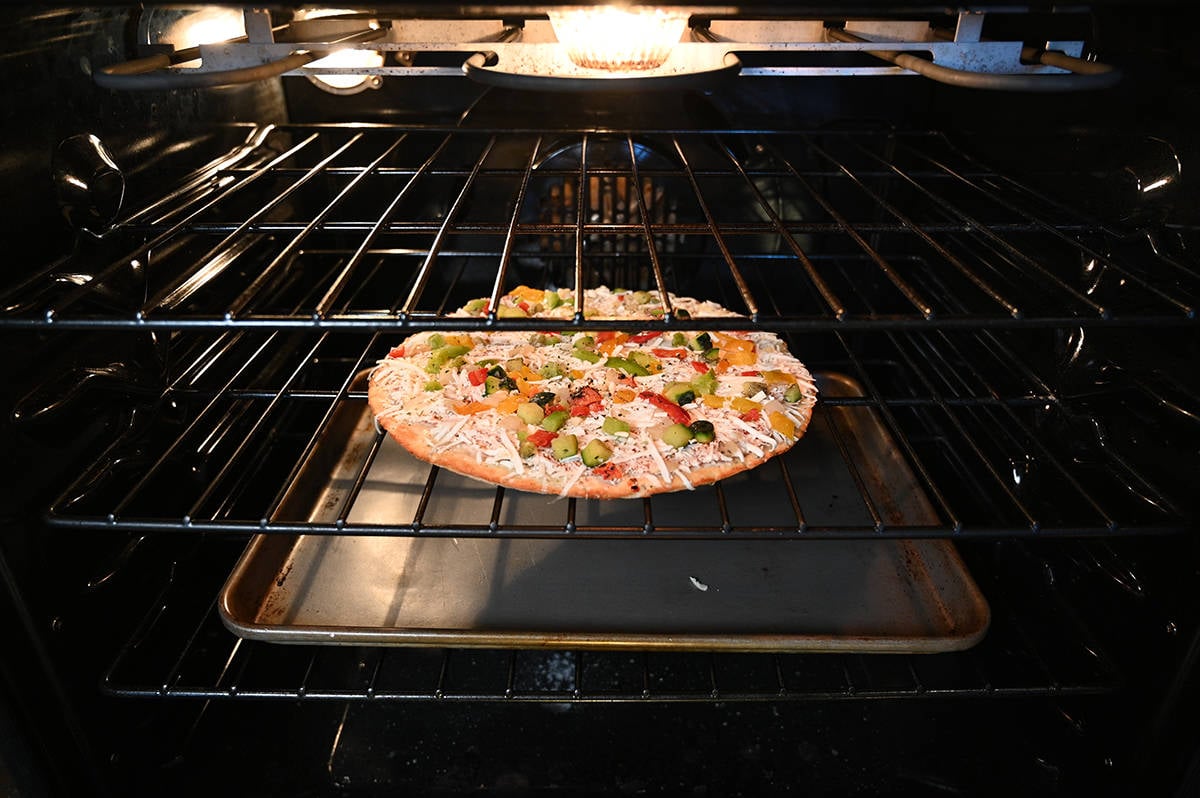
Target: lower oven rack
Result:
[[180, 649]]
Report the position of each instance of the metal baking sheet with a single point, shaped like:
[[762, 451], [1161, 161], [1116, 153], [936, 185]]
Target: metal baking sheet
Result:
[[779, 595]]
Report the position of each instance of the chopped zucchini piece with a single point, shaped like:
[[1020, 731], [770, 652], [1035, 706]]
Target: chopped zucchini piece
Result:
[[551, 370], [705, 384], [542, 398], [677, 435], [551, 300], [531, 413], [514, 364], [564, 446], [433, 385], [526, 449], [680, 313], [553, 422], [497, 380], [615, 426], [595, 453], [702, 431], [753, 388], [712, 355], [510, 312], [793, 393], [678, 339], [680, 392], [642, 297], [476, 305], [702, 342]]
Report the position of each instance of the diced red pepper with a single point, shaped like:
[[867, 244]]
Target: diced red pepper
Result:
[[396, 352], [478, 376], [643, 337], [751, 416], [540, 438], [585, 401], [523, 306], [673, 411], [554, 408], [608, 471], [751, 373], [677, 353], [605, 335], [700, 367]]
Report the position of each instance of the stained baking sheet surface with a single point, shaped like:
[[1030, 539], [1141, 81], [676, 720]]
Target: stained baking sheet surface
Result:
[[827, 595]]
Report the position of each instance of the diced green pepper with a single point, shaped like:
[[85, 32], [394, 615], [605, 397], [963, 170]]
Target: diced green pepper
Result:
[[595, 453], [442, 355], [628, 366], [437, 341], [433, 385], [584, 342], [615, 426], [677, 435], [553, 422], [584, 354], [644, 359], [476, 305], [702, 431], [564, 446], [679, 392], [679, 339]]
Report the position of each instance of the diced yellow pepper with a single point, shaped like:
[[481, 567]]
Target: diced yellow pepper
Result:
[[731, 343], [777, 377], [510, 403], [712, 400], [623, 395], [743, 405], [741, 357], [782, 424], [530, 295], [459, 339]]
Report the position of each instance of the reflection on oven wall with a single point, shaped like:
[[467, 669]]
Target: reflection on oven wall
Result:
[[1083, 680]]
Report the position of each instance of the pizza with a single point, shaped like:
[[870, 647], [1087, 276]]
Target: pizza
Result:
[[593, 414]]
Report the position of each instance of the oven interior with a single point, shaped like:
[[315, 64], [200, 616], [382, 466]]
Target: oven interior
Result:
[[1007, 280]]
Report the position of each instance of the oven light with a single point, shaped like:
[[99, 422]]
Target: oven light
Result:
[[618, 39], [348, 83], [205, 27], [344, 83]]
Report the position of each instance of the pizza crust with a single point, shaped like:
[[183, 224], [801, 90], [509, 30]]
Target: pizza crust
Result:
[[436, 435]]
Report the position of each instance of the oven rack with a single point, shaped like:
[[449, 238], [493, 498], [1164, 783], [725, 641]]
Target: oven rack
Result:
[[180, 649], [801, 230], [994, 448]]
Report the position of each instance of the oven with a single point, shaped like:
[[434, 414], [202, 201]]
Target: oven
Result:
[[976, 574]]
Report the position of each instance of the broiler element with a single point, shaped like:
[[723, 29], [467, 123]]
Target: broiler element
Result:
[[580, 54]]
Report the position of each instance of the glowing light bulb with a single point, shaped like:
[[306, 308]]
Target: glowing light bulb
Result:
[[618, 39]]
